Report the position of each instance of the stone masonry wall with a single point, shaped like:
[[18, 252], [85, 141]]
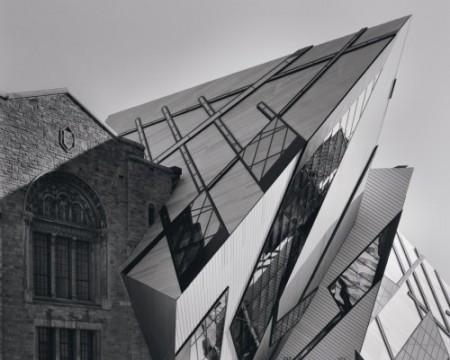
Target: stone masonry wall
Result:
[[125, 185]]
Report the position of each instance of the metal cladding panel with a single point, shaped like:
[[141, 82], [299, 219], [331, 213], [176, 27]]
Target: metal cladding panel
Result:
[[152, 307], [124, 120], [322, 309], [156, 270], [159, 138], [348, 335], [387, 27], [383, 199], [234, 195], [210, 152], [337, 241], [189, 120], [356, 157], [231, 266]]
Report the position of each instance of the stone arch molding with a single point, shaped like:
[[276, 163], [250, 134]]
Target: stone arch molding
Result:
[[63, 197], [60, 203]]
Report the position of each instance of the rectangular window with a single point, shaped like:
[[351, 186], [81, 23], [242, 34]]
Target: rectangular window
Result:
[[65, 344], [87, 345], [42, 264], [46, 342], [63, 267], [82, 270]]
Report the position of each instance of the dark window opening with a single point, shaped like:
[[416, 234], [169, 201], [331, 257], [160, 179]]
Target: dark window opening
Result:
[[66, 344], [365, 271], [151, 214]]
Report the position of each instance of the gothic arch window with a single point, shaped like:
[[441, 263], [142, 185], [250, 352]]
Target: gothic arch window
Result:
[[66, 242]]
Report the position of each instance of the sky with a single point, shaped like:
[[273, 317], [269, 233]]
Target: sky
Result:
[[114, 54]]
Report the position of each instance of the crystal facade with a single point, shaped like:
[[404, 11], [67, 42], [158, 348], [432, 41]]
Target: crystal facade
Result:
[[276, 238]]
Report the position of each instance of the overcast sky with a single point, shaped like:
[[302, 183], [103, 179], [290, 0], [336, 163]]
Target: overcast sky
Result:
[[113, 54]]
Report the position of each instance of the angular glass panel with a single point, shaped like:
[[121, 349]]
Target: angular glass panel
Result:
[[308, 112], [288, 233], [193, 237], [365, 271], [285, 240], [205, 343], [276, 144]]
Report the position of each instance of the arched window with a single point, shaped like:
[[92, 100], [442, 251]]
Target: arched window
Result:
[[65, 232]]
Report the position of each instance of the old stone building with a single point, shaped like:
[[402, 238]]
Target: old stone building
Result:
[[74, 202]]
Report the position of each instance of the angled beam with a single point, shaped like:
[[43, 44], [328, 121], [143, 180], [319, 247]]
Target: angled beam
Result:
[[322, 71], [143, 138], [246, 93]]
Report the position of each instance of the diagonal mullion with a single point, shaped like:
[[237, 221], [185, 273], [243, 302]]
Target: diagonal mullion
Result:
[[322, 71], [234, 102]]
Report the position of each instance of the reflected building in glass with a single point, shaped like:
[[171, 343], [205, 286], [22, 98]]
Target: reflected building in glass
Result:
[[275, 240]]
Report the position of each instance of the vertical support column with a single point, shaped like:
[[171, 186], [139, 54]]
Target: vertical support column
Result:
[[196, 177], [143, 138]]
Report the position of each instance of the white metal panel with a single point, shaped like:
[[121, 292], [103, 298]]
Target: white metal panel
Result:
[[365, 138], [348, 335], [230, 266]]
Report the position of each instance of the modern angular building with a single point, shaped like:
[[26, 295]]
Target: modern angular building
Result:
[[239, 219], [274, 243]]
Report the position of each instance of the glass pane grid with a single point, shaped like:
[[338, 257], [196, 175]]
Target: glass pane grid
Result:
[[269, 144], [192, 231], [206, 341], [41, 264], [63, 264]]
